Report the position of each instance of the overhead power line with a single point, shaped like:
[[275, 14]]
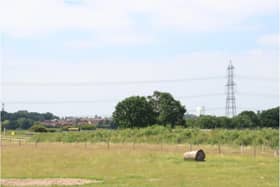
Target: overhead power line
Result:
[[96, 101], [101, 83], [105, 83], [257, 78], [257, 94], [113, 100]]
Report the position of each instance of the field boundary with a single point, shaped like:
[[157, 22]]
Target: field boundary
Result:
[[216, 149]]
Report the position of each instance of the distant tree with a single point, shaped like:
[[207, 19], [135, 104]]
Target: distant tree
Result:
[[270, 118], [167, 109], [207, 122], [10, 124], [242, 121], [253, 117], [28, 115], [24, 123], [49, 116], [224, 122], [6, 124], [133, 112], [192, 123]]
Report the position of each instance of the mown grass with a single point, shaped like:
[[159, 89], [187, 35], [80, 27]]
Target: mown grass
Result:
[[139, 165]]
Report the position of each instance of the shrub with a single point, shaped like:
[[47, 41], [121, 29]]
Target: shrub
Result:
[[87, 127], [51, 130], [38, 128]]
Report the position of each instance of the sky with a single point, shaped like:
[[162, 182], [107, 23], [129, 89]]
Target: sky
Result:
[[81, 57]]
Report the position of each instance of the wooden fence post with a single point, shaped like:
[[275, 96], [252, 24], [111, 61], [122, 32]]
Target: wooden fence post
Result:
[[276, 152], [134, 143], [108, 143], [219, 148], [190, 147], [255, 151]]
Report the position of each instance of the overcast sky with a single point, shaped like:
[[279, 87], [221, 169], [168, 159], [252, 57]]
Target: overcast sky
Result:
[[80, 57]]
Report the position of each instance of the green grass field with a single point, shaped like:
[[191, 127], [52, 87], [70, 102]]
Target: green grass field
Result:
[[139, 165]]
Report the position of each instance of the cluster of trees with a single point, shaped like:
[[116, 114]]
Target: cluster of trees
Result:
[[23, 119], [162, 109], [138, 111], [246, 119]]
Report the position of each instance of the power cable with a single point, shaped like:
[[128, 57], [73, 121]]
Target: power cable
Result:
[[102, 83]]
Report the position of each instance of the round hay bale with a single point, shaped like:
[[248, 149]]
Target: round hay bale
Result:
[[197, 155]]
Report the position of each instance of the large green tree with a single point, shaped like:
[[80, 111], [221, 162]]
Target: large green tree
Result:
[[252, 116], [242, 121], [24, 123], [270, 118], [167, 109], [134, 111]]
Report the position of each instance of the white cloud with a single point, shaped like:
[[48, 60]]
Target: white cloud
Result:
[[269, 40], [33, 17], [113, 39]]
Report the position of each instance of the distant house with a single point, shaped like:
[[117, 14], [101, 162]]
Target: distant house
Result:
[[50, 123], [73, 121]]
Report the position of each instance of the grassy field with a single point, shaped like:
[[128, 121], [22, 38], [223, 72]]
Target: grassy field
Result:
[[139, 165]]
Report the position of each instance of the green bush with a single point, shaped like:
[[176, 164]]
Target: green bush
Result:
[[87, 127], [51, 130], [38, 128]]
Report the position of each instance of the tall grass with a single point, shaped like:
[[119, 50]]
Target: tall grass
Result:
[[159, 134]]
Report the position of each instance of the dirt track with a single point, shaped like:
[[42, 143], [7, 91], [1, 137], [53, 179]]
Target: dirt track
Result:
[[46, 182]]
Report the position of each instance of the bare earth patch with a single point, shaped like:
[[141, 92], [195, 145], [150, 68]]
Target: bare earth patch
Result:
[[46, 182]]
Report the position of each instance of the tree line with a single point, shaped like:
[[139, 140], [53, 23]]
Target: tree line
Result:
[[246, 119], [23, 119], [162, 109]]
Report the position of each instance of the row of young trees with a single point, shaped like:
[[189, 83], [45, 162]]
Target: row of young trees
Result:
[[158, 135], [246, 119]]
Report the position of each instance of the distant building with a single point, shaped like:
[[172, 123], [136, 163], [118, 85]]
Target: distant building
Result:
[[73, 121]]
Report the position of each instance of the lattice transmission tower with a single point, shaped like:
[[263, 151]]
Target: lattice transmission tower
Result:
[[230, 98]]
